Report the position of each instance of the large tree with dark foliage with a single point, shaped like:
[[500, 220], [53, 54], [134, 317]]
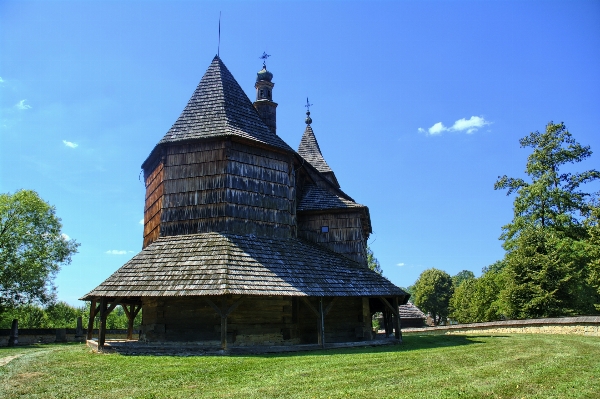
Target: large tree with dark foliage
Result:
[[547, 271], [32, 249], [432, 292]]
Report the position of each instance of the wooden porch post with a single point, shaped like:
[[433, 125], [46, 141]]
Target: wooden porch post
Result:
[[130, 320], [395, 311], [90, 330], [102, 329], [223, 323], [223, 312], [397, 325], [131, 313], [321, 323]]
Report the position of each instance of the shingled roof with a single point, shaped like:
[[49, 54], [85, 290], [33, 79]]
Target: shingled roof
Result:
[[315, 198], [309, 150], [219, 107], [218, 264], [410, 311]]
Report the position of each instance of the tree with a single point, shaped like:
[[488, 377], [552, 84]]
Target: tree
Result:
[[432, 292], [592, 248], [478, 299], [32, 248], [546, 268], [461, 277], [373, 263], [552, 199]]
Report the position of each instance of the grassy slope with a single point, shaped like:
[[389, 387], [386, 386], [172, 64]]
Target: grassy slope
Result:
[[515, 366]]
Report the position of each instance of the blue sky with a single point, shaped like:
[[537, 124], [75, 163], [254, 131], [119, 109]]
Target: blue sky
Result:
[[417, 106]]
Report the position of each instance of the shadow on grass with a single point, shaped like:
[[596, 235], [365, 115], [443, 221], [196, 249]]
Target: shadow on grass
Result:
[[410, 343]]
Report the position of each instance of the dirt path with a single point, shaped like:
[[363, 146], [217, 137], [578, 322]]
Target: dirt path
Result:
[[5, 360]]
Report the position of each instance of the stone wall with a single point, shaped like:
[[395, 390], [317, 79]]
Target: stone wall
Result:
[[581, 325]]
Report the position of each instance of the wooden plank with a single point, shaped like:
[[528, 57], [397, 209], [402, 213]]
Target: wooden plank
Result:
[[90, 330], [223, 324], [321, 323], [397, 320], [102, 326]]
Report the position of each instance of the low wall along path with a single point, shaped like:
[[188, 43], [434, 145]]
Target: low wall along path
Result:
[[580, 325]]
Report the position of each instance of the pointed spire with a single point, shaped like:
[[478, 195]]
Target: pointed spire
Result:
[[309, 150], [219, 107]]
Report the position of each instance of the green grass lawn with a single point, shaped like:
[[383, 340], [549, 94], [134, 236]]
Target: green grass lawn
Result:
[[433, 366]]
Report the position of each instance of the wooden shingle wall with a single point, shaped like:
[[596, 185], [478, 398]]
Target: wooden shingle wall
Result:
[[345, 234], [153, 204], [194, 192], [226, 186], [260, 192]]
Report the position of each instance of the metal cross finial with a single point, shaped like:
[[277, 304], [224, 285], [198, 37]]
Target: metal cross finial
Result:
[[264, 57], [308, 105], [308, 119]]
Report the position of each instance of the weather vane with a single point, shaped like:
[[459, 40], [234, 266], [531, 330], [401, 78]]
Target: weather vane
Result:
[[308, 119], [308, 105], [264, 57]]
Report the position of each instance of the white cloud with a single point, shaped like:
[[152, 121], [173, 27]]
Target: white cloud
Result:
[[469, 126], [65, 237], [437, 128], [21, 105], [70, 144], [1, 80], [400, 264], [142, 222], [116, 252]]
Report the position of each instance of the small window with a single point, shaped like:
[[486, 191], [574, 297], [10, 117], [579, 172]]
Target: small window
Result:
[[324, 229], [262, 93]]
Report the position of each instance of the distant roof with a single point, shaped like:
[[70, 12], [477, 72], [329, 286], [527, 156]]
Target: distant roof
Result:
[[219, 107], [219, 264], [315, 198], [410, 311]]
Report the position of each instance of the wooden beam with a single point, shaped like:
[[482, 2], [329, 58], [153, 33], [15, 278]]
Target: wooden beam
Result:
[[398, 332], [223, 324], [102, 329], [137, 310], [328, 308], [90, 330], [113, 305], [127, 312], [385, 301], [310, 306], [321, 324], [212, 305], [234, 306]]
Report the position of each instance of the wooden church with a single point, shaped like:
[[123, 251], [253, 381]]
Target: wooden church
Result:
[[246, 241]]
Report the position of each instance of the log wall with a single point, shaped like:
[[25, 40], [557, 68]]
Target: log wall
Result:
[[257, 320], [345, 234]]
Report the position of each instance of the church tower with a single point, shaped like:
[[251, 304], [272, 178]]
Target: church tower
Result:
[[264, 97]]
